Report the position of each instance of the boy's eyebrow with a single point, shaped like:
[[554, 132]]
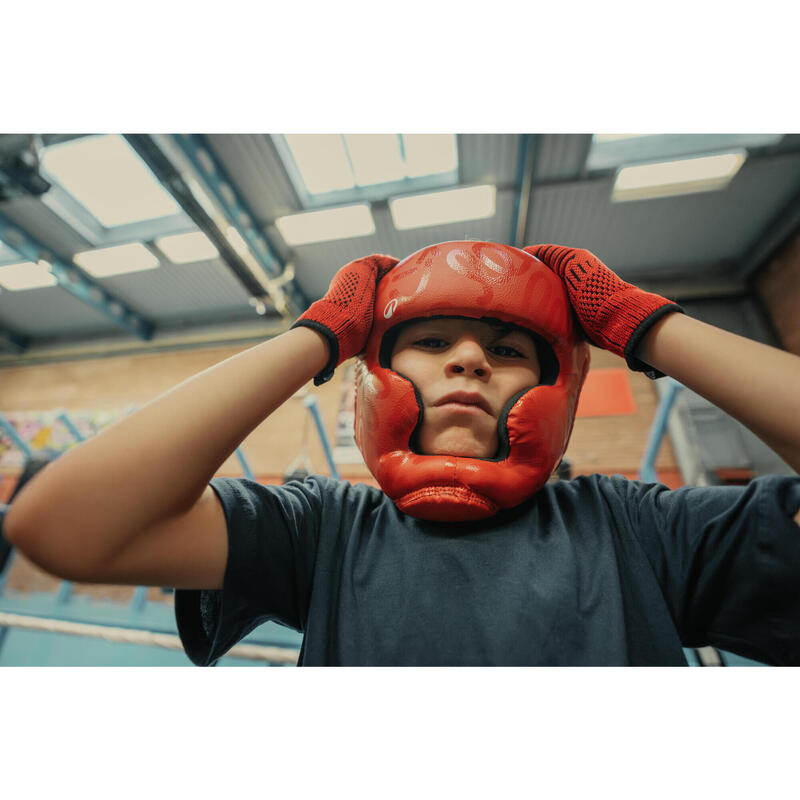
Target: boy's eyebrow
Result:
[[511, 331]]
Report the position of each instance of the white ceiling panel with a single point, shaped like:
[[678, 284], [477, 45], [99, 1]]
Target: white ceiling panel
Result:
[[178, 291]]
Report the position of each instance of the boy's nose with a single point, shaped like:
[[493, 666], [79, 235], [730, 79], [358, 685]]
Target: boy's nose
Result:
[[468, 356]]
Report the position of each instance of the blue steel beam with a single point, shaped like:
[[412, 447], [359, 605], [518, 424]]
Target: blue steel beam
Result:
[[310, 403], [528, 148], [28, 451], [16, 439], [74, 281], [248, 473], [647, 470], [166, 172], [218, 183]]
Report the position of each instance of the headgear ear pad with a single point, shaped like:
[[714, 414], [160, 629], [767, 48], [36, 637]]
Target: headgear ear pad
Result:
[[474, 280]]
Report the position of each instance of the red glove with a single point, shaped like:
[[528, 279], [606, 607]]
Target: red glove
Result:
[[344, 314], [614, 314]]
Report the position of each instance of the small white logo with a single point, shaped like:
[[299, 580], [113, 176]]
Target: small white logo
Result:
[[391, 307]]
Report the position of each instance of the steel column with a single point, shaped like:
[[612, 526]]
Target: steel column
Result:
[[647, 471], [248, 473], [310, 402]]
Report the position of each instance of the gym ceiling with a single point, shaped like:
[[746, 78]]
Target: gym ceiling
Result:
[[115, 244]]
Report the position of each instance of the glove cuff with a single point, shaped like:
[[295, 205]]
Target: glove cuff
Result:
[[326, 373], [641, 330]]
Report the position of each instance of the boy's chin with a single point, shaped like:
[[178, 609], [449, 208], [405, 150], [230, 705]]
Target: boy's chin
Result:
[[459, 445]]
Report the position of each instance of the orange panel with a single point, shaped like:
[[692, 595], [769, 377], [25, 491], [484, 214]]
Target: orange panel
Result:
[[607, 392]]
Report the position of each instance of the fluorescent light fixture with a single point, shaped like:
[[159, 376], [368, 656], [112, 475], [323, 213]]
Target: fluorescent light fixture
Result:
[[683, 176], [441, 208], [26, 275], [430, 154], [322, 161], [325, 226], [376, 158], [185, 248], [108, 178], [120, 260]]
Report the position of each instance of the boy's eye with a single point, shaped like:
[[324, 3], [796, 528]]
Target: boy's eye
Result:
[[432, 342], [506, 351]]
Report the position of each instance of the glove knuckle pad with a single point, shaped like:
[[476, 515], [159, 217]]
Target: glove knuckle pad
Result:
[[345, 290]]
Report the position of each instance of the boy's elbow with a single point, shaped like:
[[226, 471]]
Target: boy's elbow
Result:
[[42, 548], [12, 530]]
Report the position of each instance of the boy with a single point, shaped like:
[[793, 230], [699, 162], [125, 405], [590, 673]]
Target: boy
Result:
[[463, 411]]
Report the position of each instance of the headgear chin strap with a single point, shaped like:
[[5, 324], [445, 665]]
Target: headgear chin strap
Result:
[[475, 280]]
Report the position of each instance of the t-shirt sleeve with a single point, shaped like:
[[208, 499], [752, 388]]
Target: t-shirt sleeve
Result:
[[273, 533], [728, 561]]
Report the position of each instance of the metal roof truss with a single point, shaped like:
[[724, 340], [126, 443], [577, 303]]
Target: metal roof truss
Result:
[[74, 280]]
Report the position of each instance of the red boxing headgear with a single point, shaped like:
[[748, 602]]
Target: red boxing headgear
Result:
[[475, 280]]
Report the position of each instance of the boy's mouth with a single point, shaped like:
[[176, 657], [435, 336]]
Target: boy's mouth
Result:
[[466, 401]]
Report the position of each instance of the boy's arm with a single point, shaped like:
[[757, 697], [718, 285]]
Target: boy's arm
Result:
[[132, 504], [754, 383]]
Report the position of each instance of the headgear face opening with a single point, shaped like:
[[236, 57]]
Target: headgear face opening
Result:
[[476, 280]]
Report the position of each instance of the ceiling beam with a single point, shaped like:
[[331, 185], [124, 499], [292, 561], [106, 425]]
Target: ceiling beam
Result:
[[528, 152], [48, 351], [11, 342], [75, 281], [703, 287], [775, 234], [173, 181], [216, 181]]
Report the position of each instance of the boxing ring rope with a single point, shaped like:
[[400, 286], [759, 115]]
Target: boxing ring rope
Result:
[[252, 652]]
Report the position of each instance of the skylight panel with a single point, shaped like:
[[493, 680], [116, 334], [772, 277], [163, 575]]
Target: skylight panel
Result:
[[325, 226], [615, 137], [358, 165], [681, 176], [121, 260], [186, 248], [26, 275], [322, 161], [430, 154], [107, 177], [376, 158], [441, 208]]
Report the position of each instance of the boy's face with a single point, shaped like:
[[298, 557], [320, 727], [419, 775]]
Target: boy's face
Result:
[[465, 370]]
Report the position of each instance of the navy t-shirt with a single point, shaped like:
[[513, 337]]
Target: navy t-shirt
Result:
[[593, 571]]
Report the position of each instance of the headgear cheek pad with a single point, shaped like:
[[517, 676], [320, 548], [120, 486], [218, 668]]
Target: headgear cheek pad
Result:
[[475, 280]]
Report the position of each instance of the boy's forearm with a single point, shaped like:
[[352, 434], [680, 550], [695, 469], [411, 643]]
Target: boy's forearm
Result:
[[157, 462], [754, 383]]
